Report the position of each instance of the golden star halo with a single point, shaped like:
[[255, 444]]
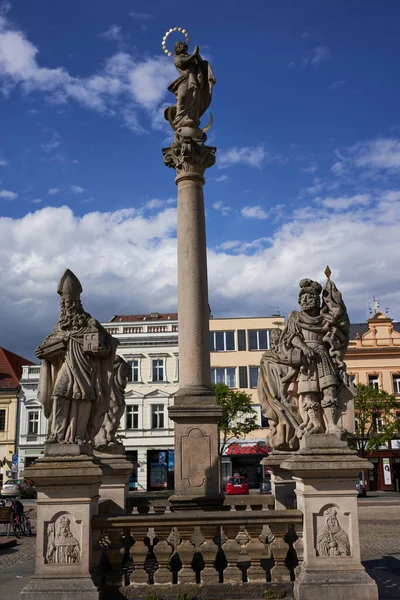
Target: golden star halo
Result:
[[164, 40]]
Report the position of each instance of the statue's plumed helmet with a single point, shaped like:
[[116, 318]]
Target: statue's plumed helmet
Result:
[[308, 286], [69, 286]]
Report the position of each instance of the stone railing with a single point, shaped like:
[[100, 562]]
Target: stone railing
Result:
[[150, 504], [218, 552]]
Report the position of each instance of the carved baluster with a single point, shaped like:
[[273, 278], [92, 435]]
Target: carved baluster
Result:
[[209, 551], [163, 551], [299, 548], [279, 548], [254, 549], [186, 551], [232, 573], [139, 553]]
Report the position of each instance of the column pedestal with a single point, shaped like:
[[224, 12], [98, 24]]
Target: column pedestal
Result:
[[116, 472], [67, 499], [325, 472], [197, 464], [282, 483]]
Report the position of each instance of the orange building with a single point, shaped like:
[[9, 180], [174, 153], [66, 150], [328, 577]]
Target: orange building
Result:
[[373, 358]]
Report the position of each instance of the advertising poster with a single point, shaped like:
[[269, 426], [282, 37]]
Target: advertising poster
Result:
[[387, 476]]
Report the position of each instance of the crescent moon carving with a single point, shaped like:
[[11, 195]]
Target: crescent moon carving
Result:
[[208, 126]]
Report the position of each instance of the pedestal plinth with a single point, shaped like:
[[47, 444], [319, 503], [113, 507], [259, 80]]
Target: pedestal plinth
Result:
[[325, 472], [116, 470], [67, 499], [197, 464]]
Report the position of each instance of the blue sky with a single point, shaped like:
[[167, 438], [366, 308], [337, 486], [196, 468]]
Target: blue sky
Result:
[[307, 127]]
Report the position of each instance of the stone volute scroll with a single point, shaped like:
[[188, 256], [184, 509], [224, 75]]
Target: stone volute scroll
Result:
[[303, 385], [75, 383]]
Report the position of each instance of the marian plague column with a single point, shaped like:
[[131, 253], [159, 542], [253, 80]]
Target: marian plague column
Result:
[[195, 411]]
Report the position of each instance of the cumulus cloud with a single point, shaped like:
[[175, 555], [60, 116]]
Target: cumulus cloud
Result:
[[53, 191], [344, 202], [222, 208], [252, 156], [7, 195], [115, 254], [254, 212], [122, 86], [381, 153], [317, 56], [36, 201]]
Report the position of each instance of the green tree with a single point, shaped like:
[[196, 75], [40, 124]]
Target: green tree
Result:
[[238, 416], [375, 418]]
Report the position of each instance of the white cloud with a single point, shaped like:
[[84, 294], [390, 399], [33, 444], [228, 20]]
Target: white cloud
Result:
[[36, 201], [113, 33], [121, 87], [76, 189], [381, 153], [140, 16], [221, 179], [52, 144], [53, 191], [7, 195], [252, 156], [337, 84], [317, 56], [312, 168], [3, 163], [254, 212], [222, 208], [344, 202]]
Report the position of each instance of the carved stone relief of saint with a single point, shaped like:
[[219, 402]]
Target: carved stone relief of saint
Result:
[[332, 540], [62, 547]]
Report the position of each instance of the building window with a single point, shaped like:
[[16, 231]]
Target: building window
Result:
[[374, 381], [254, 371], [157, 365], [2, 419], [258, 339], [221, 341], [133, 373], [352, 378], [264, 421], [33, 422], [157, 416], [225, 375], [132, 416], [396, 384]]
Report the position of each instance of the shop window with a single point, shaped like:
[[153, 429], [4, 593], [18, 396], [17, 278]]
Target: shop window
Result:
[[2, 420], [374, 381], [33, 422], [225, 375], [258, 339], [132, 416], [254, 371], [157, 416], [222, 341]]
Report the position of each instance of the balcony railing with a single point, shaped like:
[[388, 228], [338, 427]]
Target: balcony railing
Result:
[[219, 549]]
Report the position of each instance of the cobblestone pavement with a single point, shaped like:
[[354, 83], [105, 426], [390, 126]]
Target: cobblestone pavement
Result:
[[379, 538]]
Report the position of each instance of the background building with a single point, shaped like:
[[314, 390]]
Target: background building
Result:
[[32, 426], [10, 374], [373, 358]]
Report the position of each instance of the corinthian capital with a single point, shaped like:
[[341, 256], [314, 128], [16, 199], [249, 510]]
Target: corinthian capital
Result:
[[188, 155]]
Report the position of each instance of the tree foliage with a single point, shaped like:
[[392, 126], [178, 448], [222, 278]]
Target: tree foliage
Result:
[[376, 423], [238, 416]]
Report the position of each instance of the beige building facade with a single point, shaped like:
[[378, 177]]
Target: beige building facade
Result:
[[373, 358]]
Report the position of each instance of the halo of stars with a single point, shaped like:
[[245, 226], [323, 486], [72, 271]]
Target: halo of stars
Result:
[[164, 40]]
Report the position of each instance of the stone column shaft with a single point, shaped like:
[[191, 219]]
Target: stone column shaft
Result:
[[193, 308]]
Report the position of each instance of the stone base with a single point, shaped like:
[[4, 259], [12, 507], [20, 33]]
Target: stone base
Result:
[[116, 472], [217, 591], [282, 483], [340, 585], [55, 449], [60, 589]]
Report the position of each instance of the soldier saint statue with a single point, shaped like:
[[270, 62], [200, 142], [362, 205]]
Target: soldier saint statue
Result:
[[77, 367], [303, 386]]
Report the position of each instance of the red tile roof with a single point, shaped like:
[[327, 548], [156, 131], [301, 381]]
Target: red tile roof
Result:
[[149, 317], [11, 369]]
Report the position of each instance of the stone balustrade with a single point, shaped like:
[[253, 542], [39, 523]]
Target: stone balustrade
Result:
[[149, 504], [139, 553]]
